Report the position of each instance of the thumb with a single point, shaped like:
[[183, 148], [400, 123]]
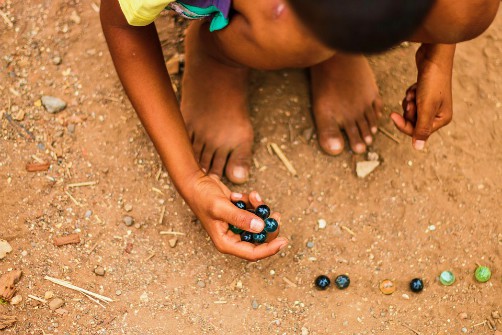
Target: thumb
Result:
[[423, 127], [240, 218]]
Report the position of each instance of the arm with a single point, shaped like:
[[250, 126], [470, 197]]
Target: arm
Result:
[[428, 103], [137, 56]]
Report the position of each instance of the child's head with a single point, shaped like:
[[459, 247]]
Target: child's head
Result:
[[363, 26]]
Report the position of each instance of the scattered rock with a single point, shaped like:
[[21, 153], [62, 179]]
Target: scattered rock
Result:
[[56, 60], [7, 284], [128, 220], [100, 271], [255, 304], [173, 241], [16, 300], [75, 18], [53, 104], [7, 321], [308, 133], [56, 303], [61, 311], [19, 116], [128, 207], [463, 316], [238, 285], [405, 296], [144, 297], [201, 284], [71, 128], [322, 223], [88, 214], [372, 156], [5, 248], [305, 331], [118, 292], [496, 315], [310, 244], [37, 166], [49, 295], [364, 168], [464, 330]]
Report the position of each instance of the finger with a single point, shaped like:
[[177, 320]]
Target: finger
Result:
[[402, 124], [410, 113], [378, 108], [222, 186], [423, 126], [411, 93], [227, 212], [255, 199], [250, 251]]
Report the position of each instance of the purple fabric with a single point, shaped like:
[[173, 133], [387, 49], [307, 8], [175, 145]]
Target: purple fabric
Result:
[[222, 5]]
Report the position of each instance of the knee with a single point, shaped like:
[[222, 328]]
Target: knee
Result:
[[473, 25]]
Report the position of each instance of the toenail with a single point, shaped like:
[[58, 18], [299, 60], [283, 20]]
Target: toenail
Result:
[[368, 139], [374, 130], [419, 145], [239, 172], [237, 195], [257, 196], [359, 148], [334, 144]]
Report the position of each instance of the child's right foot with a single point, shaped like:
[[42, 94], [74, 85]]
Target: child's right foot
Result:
[[214, 107]]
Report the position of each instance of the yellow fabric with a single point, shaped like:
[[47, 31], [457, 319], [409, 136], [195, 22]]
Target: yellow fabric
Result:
[[142, 12]]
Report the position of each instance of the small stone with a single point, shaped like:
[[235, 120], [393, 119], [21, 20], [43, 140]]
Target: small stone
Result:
[[447, 278], [100, 271], [19, 116], [372, 156], [387, 287], [71, 128], [432, 227], [75, 17], [238, 285], [144, 297], [61, 311], [173, 242], [53, 104], [88, 214], [16, 300], [5, 248], [305, 331], [128, 220], [310, 244], [405, 296], [56, 60], [56, 303], [322, 223], [128, 207], [464, 330], [463, 316], [308, 133], [201, 284], [496, 315], [49, 295], [118, 292], [255, 304], [364, 168]]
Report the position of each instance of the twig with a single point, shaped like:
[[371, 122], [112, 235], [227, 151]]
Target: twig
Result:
[[157, 176], [220, 302], [479, 324], [93, 248], [43, 301], [171, 233], [413, 330], [6, 19], [162, 212], [68, 239], [389, 135], [17, 125], [76, 288], [150, 257], [157, 190], [348, 231], [93, 300], [85, 183], [73, 199], [283, 158], [289, 282]]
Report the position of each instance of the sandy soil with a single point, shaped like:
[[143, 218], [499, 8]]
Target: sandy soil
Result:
[[378, 227]]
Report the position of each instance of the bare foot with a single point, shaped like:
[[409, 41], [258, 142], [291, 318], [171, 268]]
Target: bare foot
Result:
[[214, 107], [345, 96]]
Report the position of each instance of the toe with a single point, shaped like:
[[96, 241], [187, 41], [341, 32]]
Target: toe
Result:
[[219, 161], [206, 157], [378, 108], [364, 130], [198, 147], [356, 142], [331, 139], [239, 162]]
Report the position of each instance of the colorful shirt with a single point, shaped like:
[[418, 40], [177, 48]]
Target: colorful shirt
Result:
[[144, 12]]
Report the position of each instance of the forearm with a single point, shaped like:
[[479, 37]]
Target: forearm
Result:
[[439, 55], [137, 56]]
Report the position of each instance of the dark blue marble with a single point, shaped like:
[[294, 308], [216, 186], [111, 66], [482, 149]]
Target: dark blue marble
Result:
[[240, 204], [234, 229], [247, 236], [416, 285], [263, 211], [322, 282], [271, 225], [342, 282], [260, 237]]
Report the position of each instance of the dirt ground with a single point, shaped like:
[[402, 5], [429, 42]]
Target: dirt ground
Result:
[[416, 215]]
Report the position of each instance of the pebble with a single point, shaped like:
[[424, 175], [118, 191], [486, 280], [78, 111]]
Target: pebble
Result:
[[88, 214], [322, 223], [16, 300], [464, 330], [173, 241], [305, 331], [255, 304], [56, 303], [201, 284], [364, 168], [310, 244], [463, 316], [71, 128], [61, 311], [372, 156], [144, 297], [53, 104], [496, 315], [118, 292], [128, 207], [49, 295], [100, 271], [57, 60], [5, 248], [128, 220], [238, 285], [432, 227], [405, 296]]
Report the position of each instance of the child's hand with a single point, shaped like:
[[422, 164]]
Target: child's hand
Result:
[[210, 201], [427, 105]]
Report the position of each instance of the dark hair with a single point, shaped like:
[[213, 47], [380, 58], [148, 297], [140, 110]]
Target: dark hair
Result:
[[363, 26]]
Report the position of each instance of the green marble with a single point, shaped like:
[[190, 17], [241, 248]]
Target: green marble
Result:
[[447, 278], [482, 274]]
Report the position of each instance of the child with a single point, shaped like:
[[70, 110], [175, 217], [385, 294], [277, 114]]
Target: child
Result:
[[210, 133]]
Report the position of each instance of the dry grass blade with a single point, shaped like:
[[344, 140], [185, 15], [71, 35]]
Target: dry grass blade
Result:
[[76, 288]]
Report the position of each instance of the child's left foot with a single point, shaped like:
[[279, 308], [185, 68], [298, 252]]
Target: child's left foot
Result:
[[345, 96]]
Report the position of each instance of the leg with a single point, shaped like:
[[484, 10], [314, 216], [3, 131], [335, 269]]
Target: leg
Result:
[[345, 96]]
